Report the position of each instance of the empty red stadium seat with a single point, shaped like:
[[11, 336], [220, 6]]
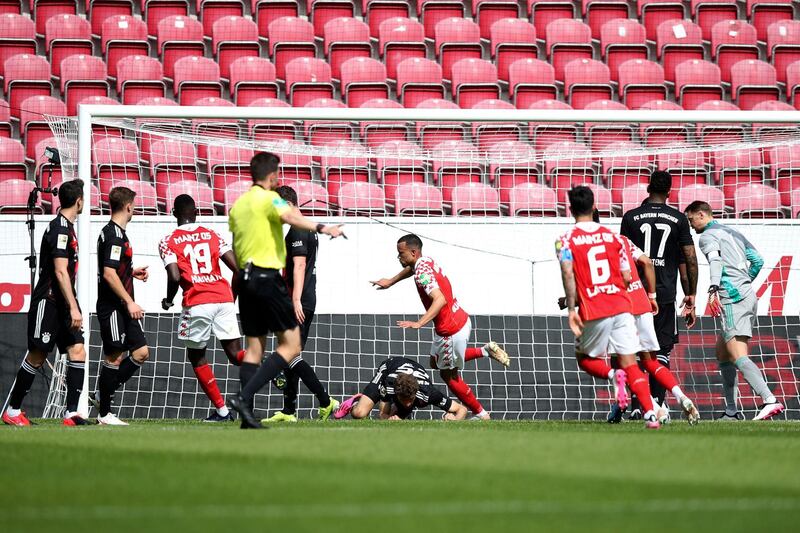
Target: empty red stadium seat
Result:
[[17, 36], [323, 11], [762, 13], [139, 77], [708, 13], [531, 80], [597, 13], [232, 192], [546, 133], [795, 205], [201, 193], [397, 163], [32, 124], [346, 38], [532, 199], [512, 39], [711, 133], [678, 41], [308, 79], [793, 84], [660, 133], [699, 191], [5, 119], [623, 165], [196, 78], [418, 199], [67, 35], [456, 39], [622, 40], [602, 200], [252, 78], [233, 38], [419, 79], [633, 196], [475, 199], [157, 10], [227, 165], [783, 45], [343, 161], [755, 200], [768, 131], [361, 198], [686, 163], [431, 12], [512, 163], [454, 163], [44, 9], [363, 79], [732, 41], [25, 76], [566, 164], [115, 160], [432, 134], [752, 82], [641, 81], [123, 36], [178, 37], [783, 162], [487, 134], [601, 134], [14, 196], [654, 12], [378, 133], [567, 40], [146, 202], [271, 129], [82, 76], [487, 12], [12, 160], [375, 12], [736, 167], [213, 128], [697, 81], [320, 132], [400, 38], [211, 11], [312, 197], [171, 161], [542, 12], [290, 38], [296, 161], [474, 80], [100, 10], [265, 12], [586, 80]]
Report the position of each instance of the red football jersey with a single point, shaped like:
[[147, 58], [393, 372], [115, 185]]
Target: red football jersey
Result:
[[598, 260], [197, 251], [640, 303], [429, 277]]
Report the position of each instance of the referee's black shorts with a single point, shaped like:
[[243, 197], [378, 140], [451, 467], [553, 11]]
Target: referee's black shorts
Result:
[[264, 303], [666, 327]]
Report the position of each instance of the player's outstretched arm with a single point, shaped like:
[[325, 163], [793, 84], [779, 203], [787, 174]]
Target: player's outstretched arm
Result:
[[60, 266], [456, 412], [385, 283], [438, 303], [296, 219], [111, 277], [173, 279]]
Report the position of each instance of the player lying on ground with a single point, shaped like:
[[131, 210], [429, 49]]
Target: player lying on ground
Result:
[[733, 263], [596, 273], [451, 323], [191, 255], [54, 317], [400, 385]]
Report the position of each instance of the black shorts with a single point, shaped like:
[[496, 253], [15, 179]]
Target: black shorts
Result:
[[264, 303], [119, 332], [665, 323], [49, 325], [305, 327]]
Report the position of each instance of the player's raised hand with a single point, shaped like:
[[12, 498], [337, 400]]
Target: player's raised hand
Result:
[[141, 273], [75, 319], [381, 284], [575, 323], [408, 324], [135, 311], [714, 305]]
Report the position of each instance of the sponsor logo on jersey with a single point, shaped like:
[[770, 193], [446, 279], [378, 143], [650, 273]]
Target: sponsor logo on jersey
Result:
[[295, 244], [424, 279], [116, 253], [62, 241]]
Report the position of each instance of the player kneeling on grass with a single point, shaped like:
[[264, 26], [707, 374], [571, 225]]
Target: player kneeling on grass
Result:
[[400, 385], [191, 255]]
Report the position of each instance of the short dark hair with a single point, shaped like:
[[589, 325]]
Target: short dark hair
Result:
[[406, 387], [581, 200], [596, 216], [69, 192], [411, 240], [184, 206], [287, 193], [263, 164], [119, 197], [660, 182], [699, 206]]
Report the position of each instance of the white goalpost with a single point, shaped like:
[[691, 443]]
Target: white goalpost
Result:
[[485, 189]]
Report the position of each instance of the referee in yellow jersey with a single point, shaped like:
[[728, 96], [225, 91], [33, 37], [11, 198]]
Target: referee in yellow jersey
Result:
[[256, 221]]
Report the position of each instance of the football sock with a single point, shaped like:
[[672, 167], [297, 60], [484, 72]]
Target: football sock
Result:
[[462, 391], [639, 384], [240, 356], [107, 384], [127, 368], [290, 392], [595, 367], [205, 376], [475, 353], [246, 373], [310, 380], [665, 379], [270, 368], [730, 386], [22, 386], [753, 375], [75, 371]]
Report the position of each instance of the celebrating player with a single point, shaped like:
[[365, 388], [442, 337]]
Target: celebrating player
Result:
[[451, 323], [400, 385], [54, 317], [119, 315], [595, 273], [191, 255], [301, 278], [733, 263]]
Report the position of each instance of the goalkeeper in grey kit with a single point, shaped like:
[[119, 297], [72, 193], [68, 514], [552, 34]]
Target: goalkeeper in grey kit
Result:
[[733, 263]]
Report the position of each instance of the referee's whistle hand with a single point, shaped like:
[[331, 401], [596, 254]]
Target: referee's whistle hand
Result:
[[334, 231], [141, 273]]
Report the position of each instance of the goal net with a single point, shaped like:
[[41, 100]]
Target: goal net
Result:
[[486, 191]]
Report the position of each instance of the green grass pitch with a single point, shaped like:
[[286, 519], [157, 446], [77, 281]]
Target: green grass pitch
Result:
[[401, 476]]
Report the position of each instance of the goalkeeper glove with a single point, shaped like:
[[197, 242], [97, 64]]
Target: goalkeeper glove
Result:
[[714, 304]]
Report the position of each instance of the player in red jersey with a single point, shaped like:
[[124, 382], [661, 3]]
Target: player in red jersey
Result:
[[596, 274], [191, 255], [451, 323]]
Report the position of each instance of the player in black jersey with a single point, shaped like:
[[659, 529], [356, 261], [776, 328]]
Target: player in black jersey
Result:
[[117, 312], [400, 385], [54, 316], [662, 232], [301, 279]]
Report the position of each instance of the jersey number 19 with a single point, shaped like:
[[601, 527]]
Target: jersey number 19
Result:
[[199, 256]]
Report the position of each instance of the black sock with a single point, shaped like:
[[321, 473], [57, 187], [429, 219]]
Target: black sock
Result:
[[246, 373], [270, 368], [23, 384], [107, 385], [290, 392], [75, 371], [310, 380], [127, 368]]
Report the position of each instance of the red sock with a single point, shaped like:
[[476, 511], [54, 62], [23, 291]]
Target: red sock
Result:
[[594, 367], [209, 385], [661, 373], [640, 385], [462, 391], [240, 356], [473, 353]]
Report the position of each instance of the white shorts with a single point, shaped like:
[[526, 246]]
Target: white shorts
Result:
[[647, 332], [198, 321], [448, 352], [611, 335]]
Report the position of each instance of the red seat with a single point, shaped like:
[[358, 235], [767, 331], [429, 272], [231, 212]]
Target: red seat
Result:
[[146, 201], [234, 38], [622, 40], [544, 134], [762, 13], [597, 13], [431, 134], [397, 163], [82, 76], [14, 195], [178, 37], [686, 163], [475, 199], [633, 196], [5, 119], [343, 161], [308, 79], [363, 79], [567, 164], [456, 39], [271, 129], [623, 165], [123, 36], [795, 205], [531, 80], [708, 13], [432, 12], [487, 134], [793, 84], [115, 160], [99, 11], [567, 40], [487, 12], [418, 80], [660, 133], [201, 193], [752, 82], [321, 132], [312, 197], [12, 160], [641, 81], [400, 38], [601, 134], [196, 78], [474, 80], [512, 39], [377, 133], [361, 198], [654, 12], [323, 11], [586, 80], [454, 163], [375, 12], [678, 41], [699, 191], [542, 12], [44, 9], [290, 38], [710, 133], [67, 35], [157, 10], [757, 201], [251, 79], [212, 11], [783, 45], [232, 192], [418, 199], [784, 164], [346, 38], [25, 76], [735, 167], [602, 200], [296, 161], [512, 163], [17, 36], [11, 6], [227, 165], [139, 77], [171, 161], [770, 131], [732, 41], [213, 129], [265, 12], [697, 81], [532, 199]]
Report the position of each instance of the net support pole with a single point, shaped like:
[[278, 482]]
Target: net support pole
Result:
[[84, 252]]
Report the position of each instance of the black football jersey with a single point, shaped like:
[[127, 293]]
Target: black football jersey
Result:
[[381, 388], [113, 250], [58, 241], [302, 243]]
